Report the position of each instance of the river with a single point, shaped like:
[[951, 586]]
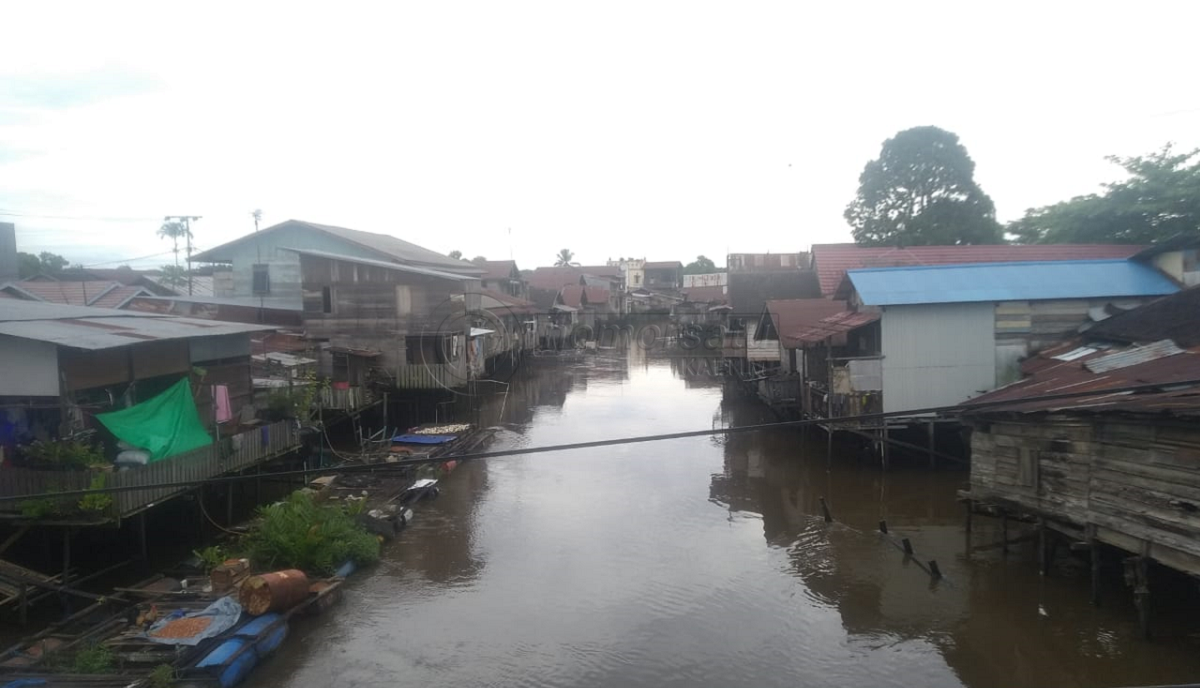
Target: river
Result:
[[704, 562]]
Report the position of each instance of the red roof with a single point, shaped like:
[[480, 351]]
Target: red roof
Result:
[[558, 277], [838, 323], [576, 296], [1101, 368], [100, 294], [792, 316], [833, 260]]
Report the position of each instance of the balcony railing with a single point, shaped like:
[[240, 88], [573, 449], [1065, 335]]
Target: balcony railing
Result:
[[232, 453]]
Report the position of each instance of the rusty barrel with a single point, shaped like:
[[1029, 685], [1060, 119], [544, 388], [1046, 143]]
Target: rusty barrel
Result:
[[273, 592]]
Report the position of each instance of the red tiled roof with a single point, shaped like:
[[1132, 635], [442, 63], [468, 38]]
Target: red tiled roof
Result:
[[835, 324], [575, 296], [833, 260], [118, 297], [793, 316], [68, 293]]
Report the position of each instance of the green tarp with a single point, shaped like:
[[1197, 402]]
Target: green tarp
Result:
[[165, 425]]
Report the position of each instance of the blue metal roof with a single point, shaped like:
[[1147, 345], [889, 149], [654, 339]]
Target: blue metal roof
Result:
[[1070, 279]]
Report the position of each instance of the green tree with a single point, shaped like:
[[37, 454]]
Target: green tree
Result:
[[1159, 199], [921, 191], [703, 265], [479, 260], [174, 275], [174, 231], [28, 265], [564, 258], [52, 263], [456, 255]]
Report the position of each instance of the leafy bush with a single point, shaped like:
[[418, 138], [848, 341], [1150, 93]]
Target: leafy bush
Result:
[[162, 676], [212, 556], [67, 455], [95, 659], [39, 508], [301, 534], [99, 502]]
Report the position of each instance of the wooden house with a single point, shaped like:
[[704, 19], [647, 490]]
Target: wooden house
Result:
[[390, 324], [503, 276], [1118, 465]]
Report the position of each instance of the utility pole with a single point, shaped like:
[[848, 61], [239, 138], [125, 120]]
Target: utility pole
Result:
[[186, 221]]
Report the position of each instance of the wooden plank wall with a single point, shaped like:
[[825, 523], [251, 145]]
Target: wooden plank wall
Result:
[[1137, 478]]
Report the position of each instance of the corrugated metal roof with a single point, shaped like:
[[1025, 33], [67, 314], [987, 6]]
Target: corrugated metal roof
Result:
[[712, 295], [836, 324], [1081, 279], [398, 267], [497, 269], [1172, 317], [1132, 356], [833, 260], [101, 328], [1164, 365], [793, 316], [575, 295], [494, 300], [385, 244]]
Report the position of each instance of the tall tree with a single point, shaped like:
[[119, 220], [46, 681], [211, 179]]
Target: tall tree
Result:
[[456, 255], [922, 191], [174, 231], [564, 258], [703, 265], [479, 260], [44, 263], [1159, 199], [52, 263]]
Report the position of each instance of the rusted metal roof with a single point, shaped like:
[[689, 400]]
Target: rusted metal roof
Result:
[[398, 267], [793, 316], [1132, 356], [1172, 317], [498, 269], [711, 295], [838, 323], [833, 260], [498, 301], [99, 293], [1163, 365]]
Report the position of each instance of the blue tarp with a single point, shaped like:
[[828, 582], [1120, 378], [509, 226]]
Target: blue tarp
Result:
[[424, 439]]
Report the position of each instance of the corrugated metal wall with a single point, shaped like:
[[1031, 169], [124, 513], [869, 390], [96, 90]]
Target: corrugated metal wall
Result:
[[28, 368], [937, 354]]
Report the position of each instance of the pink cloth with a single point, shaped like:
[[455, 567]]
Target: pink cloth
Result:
[[221, 403]]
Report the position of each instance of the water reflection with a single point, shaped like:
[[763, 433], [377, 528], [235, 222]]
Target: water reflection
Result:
[[701, 562]]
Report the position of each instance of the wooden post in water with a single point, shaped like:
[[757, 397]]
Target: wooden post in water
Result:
[[883, 527], [828, 443], [1094, 546], [932, 430], [884, 448], [1004, 532], [825, 511], [934, 570], [908, 548], [1043, 553]]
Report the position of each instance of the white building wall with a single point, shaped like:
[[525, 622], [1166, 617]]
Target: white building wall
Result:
[[760, 350], [28, 368], [937, 354]]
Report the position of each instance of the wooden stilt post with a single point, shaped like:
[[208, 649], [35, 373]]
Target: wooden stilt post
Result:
[[1141, 593], [1094, 546], [884, 447], [825, 511], [1043, 548], [883, 527], [229, 503], [1004, 532], [932, 430], [970, 503], [142, 549], [828, 443], [908, 548]]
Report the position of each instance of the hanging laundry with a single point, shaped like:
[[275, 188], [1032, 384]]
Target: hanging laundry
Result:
[[224, 412]]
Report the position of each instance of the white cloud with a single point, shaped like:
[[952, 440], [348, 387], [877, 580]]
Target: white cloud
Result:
[[664, 129]]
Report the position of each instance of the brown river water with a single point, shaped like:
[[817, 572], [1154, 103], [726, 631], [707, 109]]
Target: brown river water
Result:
[[705, 562]]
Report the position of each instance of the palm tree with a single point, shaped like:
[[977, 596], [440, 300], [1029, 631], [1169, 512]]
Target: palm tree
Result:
[[174, 231], [564, 259]]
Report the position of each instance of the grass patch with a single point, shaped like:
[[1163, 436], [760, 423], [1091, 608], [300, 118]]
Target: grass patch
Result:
[[315, 538]]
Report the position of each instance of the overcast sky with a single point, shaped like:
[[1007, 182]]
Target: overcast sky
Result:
[[654, 129]]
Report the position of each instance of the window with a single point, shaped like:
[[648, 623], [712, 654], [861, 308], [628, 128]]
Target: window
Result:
[[326, 299], [261, 284], [785, 261]]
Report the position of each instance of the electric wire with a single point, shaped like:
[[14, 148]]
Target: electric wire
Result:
[[403, 464]]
